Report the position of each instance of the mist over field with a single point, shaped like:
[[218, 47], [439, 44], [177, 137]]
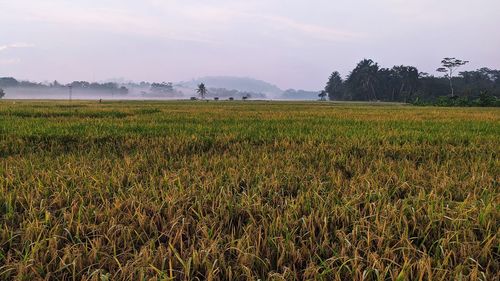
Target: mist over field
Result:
[[79, 94], [57, 94], [223, 87]]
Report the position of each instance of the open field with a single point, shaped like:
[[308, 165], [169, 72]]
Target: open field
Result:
[[248, 190]]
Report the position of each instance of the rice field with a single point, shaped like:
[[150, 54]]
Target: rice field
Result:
[[248, 191]]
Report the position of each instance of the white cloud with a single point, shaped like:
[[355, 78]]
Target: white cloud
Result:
[[15, 45], [176, 20]]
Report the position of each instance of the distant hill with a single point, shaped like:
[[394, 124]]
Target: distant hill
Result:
[[242, 84]]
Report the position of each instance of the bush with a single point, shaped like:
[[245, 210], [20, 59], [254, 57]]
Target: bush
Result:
[[486, 99], [2, 93], [445, 101], [462, 101], [483, 100]]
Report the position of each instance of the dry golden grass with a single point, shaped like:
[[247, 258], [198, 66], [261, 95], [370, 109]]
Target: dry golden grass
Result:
[[246, 191]]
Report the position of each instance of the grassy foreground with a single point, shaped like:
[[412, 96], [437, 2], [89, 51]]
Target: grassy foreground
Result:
[[246, 191]]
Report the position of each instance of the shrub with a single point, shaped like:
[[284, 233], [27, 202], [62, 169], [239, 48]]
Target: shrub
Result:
[[486, 99]]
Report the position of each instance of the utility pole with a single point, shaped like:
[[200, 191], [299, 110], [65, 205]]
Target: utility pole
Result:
[[70, 92]]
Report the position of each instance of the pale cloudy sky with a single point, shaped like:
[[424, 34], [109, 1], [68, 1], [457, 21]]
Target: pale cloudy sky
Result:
[[292, 43]]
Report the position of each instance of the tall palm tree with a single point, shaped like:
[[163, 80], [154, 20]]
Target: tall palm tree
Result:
[[364, 79], [407, 76], [202, 91], [369, 77]]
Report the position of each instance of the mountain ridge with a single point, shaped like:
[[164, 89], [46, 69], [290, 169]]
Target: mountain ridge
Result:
[[245, 84]]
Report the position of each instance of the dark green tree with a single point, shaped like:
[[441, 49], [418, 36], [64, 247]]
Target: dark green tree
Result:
[[407, 79], [388, 85], [322, 95], [334, 87], [486, 99], [363, 80], [8, 82], [476, 81], [2, 93]]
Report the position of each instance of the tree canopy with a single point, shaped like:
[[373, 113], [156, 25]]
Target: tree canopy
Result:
[[370, 82]]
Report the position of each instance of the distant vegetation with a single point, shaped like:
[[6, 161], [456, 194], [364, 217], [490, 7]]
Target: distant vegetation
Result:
[[9, 82], [112, 89], [144, 89], [225, 93], [370, 82]]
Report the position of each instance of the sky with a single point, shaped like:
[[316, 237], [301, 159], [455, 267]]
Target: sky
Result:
[[290, 43]]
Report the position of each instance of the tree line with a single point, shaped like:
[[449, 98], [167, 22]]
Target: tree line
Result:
[[370, 82], [161, 90], [113, 88]]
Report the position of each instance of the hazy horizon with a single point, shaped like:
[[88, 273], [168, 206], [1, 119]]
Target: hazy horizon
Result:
[[292, 44]]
